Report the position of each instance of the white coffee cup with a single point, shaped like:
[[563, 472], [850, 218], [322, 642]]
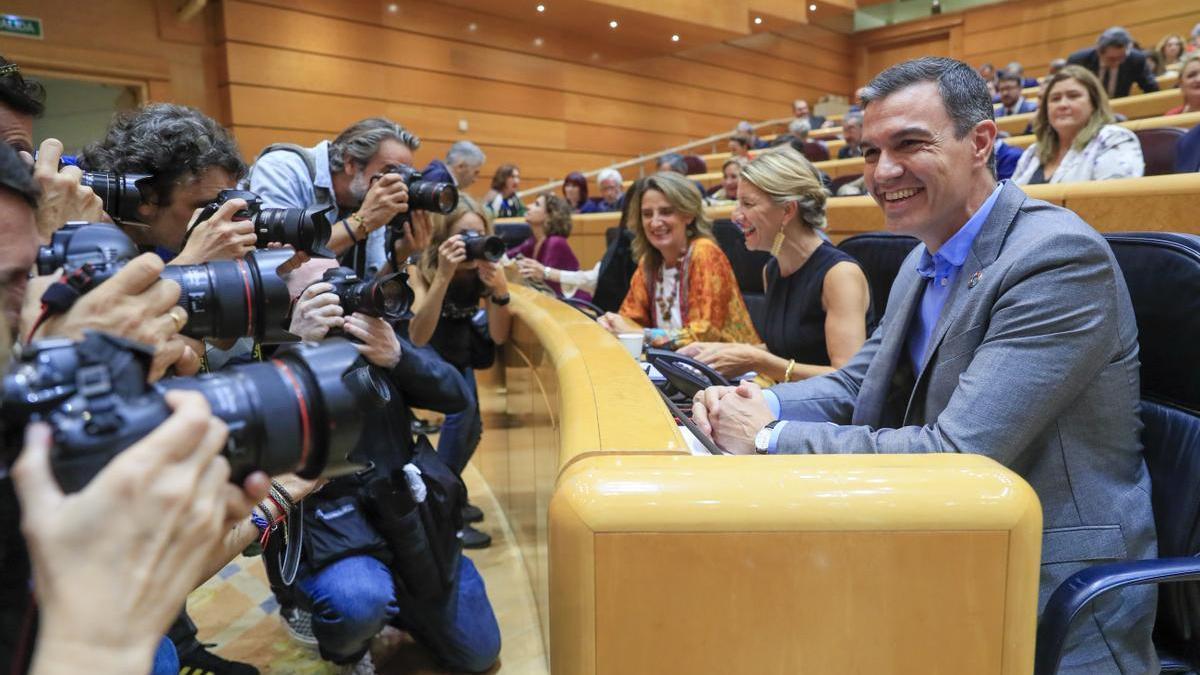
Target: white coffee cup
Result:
[[632, 343]]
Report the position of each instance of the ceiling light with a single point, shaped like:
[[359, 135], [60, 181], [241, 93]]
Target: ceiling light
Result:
[[472, 26], [812, 8], [393, 8], [538, 42], [612, 24], [757, 20], [674, 38], [541, 8]]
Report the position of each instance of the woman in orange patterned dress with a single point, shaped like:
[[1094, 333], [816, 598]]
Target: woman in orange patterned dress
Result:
[[684, 289]]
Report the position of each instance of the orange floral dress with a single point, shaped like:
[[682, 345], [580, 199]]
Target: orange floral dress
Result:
[[710, 301]]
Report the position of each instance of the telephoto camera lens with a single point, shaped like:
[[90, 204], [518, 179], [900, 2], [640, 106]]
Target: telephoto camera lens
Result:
[[304, 230], [434, 197], [119, 192], [386, 296], [487, 247]]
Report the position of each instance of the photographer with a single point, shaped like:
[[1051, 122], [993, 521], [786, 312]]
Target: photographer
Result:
[[360, 568], [349, 175], [448, 288]]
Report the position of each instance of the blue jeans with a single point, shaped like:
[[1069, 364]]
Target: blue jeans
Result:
[[166, 661], [353, 598], [462, 430]]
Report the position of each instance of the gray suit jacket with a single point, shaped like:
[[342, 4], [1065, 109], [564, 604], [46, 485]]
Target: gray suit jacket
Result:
[[1033, 363]]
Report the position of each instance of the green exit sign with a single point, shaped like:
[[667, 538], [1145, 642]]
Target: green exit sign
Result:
[[21, 26]]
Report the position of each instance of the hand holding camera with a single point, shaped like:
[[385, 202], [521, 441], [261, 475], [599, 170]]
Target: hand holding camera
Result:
[[317, 312], [387, 197], [172, 493], [376, 337], [222, 236], [64, 197]]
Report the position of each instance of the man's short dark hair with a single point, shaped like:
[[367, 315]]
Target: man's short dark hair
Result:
[[1114, 37], [27, 97], [361, 140], [16, 176], [964, 92], [167, 141], [1007, 76]]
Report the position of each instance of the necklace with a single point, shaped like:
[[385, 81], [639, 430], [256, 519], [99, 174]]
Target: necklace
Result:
[[666, 301]]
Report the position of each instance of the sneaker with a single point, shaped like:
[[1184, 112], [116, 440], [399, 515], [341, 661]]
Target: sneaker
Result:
[[473, 538], [472, 513], [200, 661], [365, 666], [298, 624]]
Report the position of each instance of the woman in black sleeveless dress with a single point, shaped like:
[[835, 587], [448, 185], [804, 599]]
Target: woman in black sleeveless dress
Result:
[[818, 302]]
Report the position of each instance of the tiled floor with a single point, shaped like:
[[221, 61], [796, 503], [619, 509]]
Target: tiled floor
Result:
[[236, 610]]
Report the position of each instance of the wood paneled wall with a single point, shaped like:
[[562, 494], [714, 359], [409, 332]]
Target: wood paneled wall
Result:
[[1030, 31], [136, 42], [302, 70]]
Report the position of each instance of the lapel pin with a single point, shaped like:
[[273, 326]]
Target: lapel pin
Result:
[[974, 279]]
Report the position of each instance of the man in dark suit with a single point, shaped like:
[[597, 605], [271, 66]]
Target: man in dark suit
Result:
[[801, 111], [1187, 153], [461, 167], [1011, 101], [1116, 63], [852, 132]]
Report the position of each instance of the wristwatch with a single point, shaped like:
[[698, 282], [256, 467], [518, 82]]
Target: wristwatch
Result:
[[762, 440]]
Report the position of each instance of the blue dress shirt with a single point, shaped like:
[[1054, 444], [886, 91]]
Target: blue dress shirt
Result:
[[940, 270]]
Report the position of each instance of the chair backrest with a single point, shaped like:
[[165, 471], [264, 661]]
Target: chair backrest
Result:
[[1162, 271], [610, 234], [747, 265], [880, 255], [513, 233], [695, 164], [815, 151], [842, 180], [1158, 149]]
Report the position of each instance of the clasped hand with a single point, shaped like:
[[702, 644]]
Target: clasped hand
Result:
[[732, 416]]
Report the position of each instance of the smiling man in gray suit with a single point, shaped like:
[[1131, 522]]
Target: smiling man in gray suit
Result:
[[1008, 333]]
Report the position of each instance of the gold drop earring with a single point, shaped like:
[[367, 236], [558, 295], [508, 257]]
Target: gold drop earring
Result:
[[777, 245]]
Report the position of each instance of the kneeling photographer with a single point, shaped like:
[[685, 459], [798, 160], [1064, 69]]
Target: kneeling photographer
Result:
[[380, 546], [456, 273]]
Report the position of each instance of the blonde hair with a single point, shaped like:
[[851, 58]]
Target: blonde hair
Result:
[[440, 227], [682, 194], [785, 176], [1047, 137], [1160, 50]]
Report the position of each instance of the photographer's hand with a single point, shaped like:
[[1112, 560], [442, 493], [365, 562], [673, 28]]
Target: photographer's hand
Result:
[[113, 562], [218, 238], [63, 197], [417, 234], [379, 345], [316, 313], [451, 254], [493, 277], [133, 304], [387, 196]]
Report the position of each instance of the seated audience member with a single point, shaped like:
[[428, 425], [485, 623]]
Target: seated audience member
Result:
[[1076, 137], [550, 219], [1187, 152], [1009, 333], [1011, 101], [818, 296], [988, 72], [575, 190], [611, 189], [991, 90], [449, 290], [464, 159], [1116, 63], [1194, 42], [608, 280], [744, 128], [502, 200], [1170, 51], [727, 190], [1015, 69], [740, 146], [1007, 157], [852, 132], [798, 130], [854, 188], [674, 162], [684, 289], [801, 112], [1189, 82], [1057, 65]]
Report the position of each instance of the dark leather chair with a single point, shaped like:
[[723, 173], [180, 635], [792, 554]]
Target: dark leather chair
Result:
[[747, 268], [1162, 271], [880, 254], [815, 151], [695, 164], [513, 233], [1158, 149], [842, 180]]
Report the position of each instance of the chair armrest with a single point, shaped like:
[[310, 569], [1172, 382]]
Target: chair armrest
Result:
[[1086, 585]]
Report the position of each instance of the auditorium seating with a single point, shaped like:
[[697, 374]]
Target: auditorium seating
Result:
[[747, 268], [1162, 271], [695, 164], [880, 255], [1158, 149]]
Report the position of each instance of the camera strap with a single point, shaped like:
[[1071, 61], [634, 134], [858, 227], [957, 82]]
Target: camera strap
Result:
[[62, 294], [293, 537]]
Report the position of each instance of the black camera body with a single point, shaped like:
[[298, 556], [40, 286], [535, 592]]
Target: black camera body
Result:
[[487, 247], [305, 230], [223, 299], [386, 295], [301, 411], [423, 195]]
